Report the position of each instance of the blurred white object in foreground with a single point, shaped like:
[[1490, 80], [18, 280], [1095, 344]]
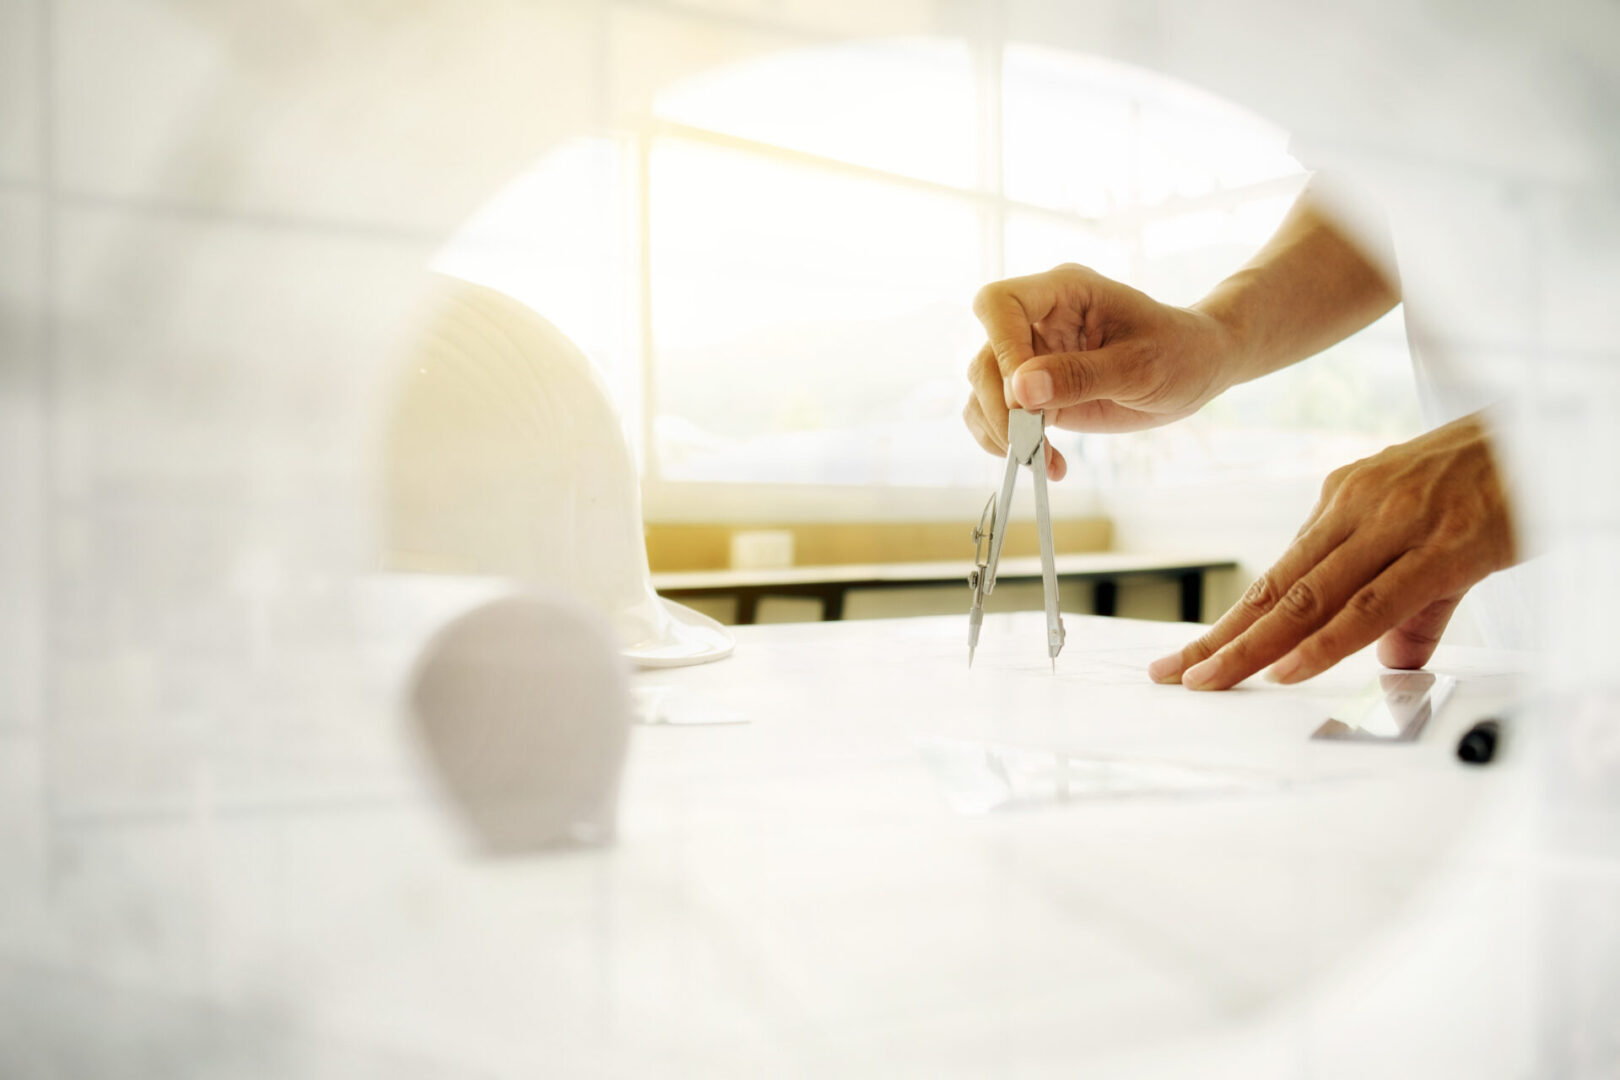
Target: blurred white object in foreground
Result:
[[522, 708]]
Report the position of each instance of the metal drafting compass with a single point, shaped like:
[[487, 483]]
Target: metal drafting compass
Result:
[[1026, 445]]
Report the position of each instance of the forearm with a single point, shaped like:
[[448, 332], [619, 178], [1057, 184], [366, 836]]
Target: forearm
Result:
[[1309, 287]]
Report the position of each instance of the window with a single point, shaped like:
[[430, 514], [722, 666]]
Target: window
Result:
[[772, 261]]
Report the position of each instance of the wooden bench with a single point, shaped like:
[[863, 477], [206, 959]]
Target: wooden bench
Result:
[[830, 584]]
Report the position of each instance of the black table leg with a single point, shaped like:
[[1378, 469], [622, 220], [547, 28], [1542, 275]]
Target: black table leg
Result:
[[832, 604], [1192, 596], [747, 606], [1105, 597]]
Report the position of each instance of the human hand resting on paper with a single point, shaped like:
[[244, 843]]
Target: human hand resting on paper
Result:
[[1393, 544], [1096, 355]]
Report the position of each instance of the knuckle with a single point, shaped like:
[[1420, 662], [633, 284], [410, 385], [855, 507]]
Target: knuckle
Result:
[[1354, 487], [1399, 507], [1336, 480], [988, 296], [1450, 531], [1302, 603], [1070, 381], [1372, 605], [1363, 482], [1261, 595], [1201, 649]]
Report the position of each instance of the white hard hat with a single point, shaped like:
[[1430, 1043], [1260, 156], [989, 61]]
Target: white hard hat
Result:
[[505, 457]]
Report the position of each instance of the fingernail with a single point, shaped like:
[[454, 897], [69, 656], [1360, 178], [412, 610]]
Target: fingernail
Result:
[[1034, 388], [1166, 669], [1007, 394], [1284, 670], [1202, 676]]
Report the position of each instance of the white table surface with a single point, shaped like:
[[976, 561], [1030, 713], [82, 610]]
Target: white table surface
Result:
[[282, 893]]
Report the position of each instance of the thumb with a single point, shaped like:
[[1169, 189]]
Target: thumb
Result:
[[1059, 380], [1410, 644]]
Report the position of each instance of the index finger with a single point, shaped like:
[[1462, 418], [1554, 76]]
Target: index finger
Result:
[[1259, 600], [1009, 310], [989, 393]]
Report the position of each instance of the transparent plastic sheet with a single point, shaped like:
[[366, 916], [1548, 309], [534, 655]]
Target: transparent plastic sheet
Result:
[[977, 777], [1395, 707]]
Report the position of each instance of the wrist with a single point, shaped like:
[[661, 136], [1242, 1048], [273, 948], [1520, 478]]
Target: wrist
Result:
[[1220, 342]]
